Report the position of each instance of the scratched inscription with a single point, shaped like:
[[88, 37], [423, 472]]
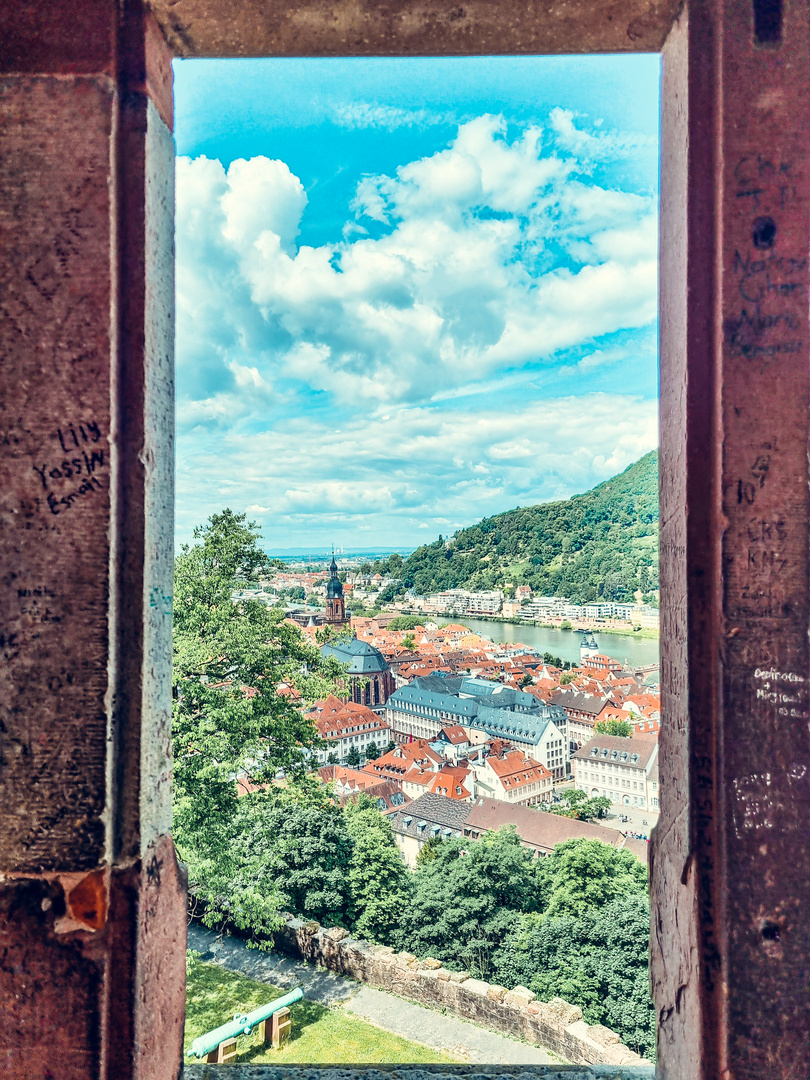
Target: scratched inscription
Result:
[[769, 321], [767, 801]]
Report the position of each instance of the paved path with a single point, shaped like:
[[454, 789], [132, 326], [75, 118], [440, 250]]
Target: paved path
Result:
[[449, 1033]]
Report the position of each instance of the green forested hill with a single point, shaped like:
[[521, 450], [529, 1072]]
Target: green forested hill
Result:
[[600, 544]]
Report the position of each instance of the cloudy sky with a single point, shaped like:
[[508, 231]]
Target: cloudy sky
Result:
[[411, 293]]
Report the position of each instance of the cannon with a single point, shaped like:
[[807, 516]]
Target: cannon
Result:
[[242, 1024]]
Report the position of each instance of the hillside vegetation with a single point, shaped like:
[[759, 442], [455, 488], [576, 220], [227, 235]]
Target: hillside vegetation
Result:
[[603, 544]]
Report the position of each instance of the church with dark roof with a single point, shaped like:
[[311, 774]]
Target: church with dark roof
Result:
[[370, 676]]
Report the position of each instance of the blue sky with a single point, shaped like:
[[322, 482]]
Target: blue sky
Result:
[[411, 293]]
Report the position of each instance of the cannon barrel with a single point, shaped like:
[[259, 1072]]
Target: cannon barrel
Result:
[[241, 1025]]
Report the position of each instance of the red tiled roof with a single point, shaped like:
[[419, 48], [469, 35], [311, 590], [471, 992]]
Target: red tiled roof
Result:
[[455, 734], [403, 758], [517, 769]]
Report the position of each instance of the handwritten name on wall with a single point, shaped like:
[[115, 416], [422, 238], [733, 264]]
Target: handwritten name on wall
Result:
[[82, 464]]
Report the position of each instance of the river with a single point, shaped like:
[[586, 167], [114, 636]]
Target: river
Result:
[[565, 643]]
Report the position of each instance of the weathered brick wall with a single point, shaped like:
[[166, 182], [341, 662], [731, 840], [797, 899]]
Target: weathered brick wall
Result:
[[555, 1024]]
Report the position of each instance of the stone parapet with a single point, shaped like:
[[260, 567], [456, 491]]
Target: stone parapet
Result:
[[556, 1025], [418, 1072]]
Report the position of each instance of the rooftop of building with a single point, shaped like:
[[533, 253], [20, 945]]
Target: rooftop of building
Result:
[[534, 827], [361, 658], [517, 768], [575, 699], [454, 734], [430, 815], [632, 753]]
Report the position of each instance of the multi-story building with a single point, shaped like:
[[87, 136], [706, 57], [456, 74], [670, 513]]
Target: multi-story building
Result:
[[452, 742], [485, 710], [429, 817], [350, 783], [541, 735], [620, 770], [370, 678], [403, 759], [513, 778], [583, 712], [344, 726]]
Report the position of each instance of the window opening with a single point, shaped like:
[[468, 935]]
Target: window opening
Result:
[[388, 341], [768, 22]]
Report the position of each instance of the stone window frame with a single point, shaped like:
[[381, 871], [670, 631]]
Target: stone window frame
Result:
[[88, 159]]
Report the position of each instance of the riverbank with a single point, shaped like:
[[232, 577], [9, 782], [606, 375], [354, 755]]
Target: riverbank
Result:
[[631, 650], [618, 631]]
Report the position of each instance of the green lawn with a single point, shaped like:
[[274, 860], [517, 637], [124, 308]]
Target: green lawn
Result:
[[319, 1034]]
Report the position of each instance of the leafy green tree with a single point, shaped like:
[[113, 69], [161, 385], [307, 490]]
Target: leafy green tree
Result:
[[228, 719], [372, 751], [380, 882], [611, 726], [390, 593], [599, 805], [466, 898], [391, 745], [408, 642], [332, 758], [576, 804], [406, 622], [587, 874], [567, 677], [331, 634], [308, 858], [353, 757], [598, 961], [428, 851]]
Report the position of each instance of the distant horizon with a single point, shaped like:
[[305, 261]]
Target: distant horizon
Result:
[[411, 293], [353, 553]]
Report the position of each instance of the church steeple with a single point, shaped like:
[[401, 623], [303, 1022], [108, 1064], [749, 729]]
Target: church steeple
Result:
[[335, 605]]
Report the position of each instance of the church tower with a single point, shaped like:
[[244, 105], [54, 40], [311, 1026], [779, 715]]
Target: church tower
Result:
[[335, 604]]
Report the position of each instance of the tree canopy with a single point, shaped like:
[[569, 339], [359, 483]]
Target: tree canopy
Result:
[[574, 803], [465, 899], [598, 960], [581, 875], [406, 622], [229, 721], [380, 883], [622, 728]]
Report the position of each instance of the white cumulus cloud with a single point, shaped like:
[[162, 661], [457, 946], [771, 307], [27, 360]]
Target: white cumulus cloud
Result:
[[459, 270]]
